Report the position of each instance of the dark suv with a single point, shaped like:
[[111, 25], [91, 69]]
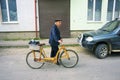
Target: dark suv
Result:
[[104, 40]]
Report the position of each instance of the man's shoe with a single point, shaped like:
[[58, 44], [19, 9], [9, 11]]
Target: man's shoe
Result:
[[57, 63]]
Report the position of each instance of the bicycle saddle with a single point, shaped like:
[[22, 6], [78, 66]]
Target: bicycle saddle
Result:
[[41, 44]]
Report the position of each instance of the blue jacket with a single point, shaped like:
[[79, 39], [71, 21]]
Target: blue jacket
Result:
[[54, 36]]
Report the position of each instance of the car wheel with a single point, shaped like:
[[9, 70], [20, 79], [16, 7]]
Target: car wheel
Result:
[[101, 51]]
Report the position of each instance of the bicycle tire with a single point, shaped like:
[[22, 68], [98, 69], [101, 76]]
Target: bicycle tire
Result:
[[33, 64], [69, 63]]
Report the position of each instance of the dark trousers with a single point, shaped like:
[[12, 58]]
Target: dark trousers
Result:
[[54, 50]]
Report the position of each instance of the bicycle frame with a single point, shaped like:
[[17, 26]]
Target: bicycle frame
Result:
[[49, 59]]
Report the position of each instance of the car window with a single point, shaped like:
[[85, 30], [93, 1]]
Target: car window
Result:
[[110, 26], [119, 32], [119, 28], [119, 24]]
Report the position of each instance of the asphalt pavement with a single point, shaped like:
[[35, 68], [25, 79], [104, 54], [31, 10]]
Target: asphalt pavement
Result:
[[13, 66]]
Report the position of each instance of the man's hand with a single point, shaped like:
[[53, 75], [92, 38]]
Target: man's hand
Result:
[[60, 41]]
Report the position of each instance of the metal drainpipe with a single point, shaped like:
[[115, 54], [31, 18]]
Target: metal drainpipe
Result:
[[36, 29]]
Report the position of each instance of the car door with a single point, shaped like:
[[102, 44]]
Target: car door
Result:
[[116, 42]]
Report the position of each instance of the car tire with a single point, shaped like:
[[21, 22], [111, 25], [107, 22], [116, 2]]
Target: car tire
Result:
[[101, 51]]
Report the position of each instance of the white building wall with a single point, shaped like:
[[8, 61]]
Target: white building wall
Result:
[[25, 12], [79, 16]]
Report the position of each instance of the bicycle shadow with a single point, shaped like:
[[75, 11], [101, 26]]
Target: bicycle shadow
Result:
[[51, 66]]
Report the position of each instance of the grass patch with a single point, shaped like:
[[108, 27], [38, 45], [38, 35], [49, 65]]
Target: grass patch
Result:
[[17, 39], [14, 46], [72, 45]]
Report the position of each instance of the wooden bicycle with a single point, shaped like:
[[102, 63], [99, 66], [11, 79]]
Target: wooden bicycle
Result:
[[35, 59]]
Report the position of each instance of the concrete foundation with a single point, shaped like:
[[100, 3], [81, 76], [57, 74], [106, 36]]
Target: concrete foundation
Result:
[[17, 35], [28, 35]]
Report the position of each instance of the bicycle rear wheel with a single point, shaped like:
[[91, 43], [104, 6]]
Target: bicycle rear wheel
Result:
[[34, 63], [69, 59]]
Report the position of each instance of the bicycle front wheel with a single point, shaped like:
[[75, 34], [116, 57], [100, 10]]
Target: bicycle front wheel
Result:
[[32, 62], [69, 59]]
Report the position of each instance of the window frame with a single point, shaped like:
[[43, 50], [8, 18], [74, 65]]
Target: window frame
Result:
[[8, 15], [94, 7]]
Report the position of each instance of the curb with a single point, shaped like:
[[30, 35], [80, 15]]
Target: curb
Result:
[[27, 46], [24, 43]]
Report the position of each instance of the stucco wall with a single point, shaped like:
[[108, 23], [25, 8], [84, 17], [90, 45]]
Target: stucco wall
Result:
[[25, 10], [79, 15]]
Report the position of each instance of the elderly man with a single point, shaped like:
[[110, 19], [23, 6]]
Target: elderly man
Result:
[[55, 38]]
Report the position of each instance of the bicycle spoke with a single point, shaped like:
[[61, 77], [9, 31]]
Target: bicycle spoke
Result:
[[32, 62], [70, 59]]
